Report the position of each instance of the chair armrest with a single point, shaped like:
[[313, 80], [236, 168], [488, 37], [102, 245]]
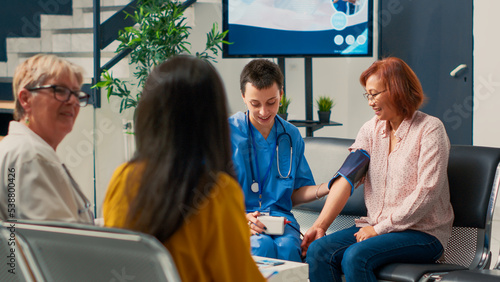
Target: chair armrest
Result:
[[406, 272], [485, 275]]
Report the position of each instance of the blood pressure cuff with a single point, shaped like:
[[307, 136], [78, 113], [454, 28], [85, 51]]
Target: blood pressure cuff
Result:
[[353, 169]]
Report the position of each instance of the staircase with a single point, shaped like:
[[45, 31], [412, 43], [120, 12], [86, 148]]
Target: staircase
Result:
[[70, 37]]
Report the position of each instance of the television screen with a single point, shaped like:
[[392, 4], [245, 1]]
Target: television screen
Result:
[[289, 28]]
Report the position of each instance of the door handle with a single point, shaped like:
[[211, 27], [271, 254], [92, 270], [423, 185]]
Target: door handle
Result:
[[455, 72]]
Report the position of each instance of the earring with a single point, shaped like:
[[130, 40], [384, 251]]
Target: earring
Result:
[[281, 104], [27, 121]]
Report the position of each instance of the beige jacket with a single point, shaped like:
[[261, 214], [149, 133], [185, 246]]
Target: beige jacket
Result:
[[35, 184]]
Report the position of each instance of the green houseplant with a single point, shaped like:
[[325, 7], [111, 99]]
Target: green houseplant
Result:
[[283, 109], [160, 33], [325, 105]]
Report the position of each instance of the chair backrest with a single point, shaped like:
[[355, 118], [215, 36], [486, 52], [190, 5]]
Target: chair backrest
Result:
[[325, 156], [77, 252], [13, 265], [474, 177]]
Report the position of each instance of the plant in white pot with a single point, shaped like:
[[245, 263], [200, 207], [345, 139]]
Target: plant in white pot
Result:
[[325, 105]]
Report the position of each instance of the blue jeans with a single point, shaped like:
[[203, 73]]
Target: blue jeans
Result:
[[338, 253], [286, 246]]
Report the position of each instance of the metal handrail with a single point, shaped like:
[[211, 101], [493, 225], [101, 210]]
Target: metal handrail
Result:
[[106, 33]]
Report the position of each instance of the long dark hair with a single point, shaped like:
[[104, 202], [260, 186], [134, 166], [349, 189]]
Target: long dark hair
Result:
[[182, 137]]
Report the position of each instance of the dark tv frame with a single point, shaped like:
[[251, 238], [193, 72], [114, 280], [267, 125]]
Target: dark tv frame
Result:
[[225, 48]]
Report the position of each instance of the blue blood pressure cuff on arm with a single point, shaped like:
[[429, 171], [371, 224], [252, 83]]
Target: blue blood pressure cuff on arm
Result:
[[353, 169]]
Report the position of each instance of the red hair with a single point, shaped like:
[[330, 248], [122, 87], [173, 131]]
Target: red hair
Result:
[[402, 84]]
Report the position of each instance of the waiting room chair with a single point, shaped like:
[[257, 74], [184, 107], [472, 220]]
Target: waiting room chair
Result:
[[474, 177], [77, 252], [475, 275]]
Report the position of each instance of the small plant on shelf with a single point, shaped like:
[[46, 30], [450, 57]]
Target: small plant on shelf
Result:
[[283, 109], [325, 105]]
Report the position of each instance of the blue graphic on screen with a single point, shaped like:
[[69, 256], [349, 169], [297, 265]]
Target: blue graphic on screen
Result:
[[298, 28]]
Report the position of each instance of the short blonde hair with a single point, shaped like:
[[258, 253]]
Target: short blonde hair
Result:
[[36, 70]]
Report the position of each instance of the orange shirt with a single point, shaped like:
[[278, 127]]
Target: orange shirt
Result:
[[214, 242]]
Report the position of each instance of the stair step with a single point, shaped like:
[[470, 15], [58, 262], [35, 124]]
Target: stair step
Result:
[[83, 59], [87, 16], [55, 21], [103, 9], [3, 69], [104, 3], [69, 37], [68, 54], [24, 44], [73, 30], [6, 106]]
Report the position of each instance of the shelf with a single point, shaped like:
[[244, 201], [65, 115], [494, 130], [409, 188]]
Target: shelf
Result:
[[313, 124]]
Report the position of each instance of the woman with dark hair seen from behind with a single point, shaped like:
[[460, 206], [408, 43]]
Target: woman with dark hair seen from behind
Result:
[[179, 187], [409, 214]]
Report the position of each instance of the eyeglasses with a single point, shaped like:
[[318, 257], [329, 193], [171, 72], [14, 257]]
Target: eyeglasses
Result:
[[371, 97], [63, 94]]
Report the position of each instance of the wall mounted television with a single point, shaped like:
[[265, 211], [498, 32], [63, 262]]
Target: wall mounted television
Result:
[[298, 28]]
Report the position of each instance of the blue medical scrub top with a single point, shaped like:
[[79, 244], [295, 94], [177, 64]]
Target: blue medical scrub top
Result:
[[276, 192]]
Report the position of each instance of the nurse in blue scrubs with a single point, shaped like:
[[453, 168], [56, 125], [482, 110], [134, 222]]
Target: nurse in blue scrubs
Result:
[[268, 155]]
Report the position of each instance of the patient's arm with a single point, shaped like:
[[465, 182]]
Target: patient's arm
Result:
[[335, 202], [353, 171]]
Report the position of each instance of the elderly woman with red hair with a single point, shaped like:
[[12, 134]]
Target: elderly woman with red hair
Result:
[[409, 214]]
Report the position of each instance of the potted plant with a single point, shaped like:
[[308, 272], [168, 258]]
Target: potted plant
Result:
[[325, 105], [284, 103], [160, 33]]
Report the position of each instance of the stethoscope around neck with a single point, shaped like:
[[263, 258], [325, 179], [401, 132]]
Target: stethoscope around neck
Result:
[[257, 182]]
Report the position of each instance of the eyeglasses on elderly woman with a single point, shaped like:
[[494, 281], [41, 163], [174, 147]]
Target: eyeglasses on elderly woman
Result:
[[63, 94]]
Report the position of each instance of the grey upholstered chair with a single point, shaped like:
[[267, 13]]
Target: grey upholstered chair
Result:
[[13, 265], [78, 252]]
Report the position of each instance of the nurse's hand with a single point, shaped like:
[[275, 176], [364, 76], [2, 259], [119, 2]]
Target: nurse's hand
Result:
[[312, 234], [256, 227]]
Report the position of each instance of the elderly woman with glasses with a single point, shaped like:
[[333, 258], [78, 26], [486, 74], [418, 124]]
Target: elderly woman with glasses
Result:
[[409, 214], [35, 184]]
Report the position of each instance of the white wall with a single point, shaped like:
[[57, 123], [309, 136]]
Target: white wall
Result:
[[486, 118]]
